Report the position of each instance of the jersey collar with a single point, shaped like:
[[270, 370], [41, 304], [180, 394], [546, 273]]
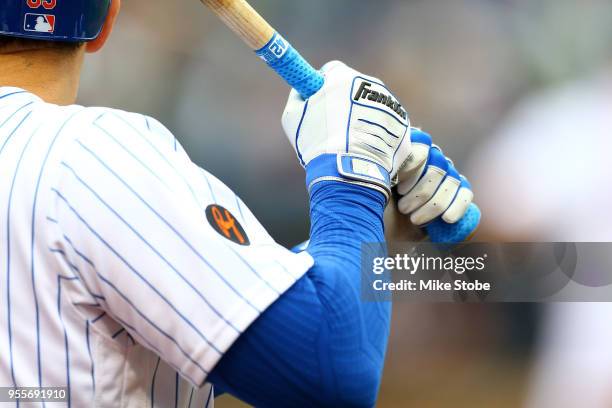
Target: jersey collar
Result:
[[8, 94], [8, 91]]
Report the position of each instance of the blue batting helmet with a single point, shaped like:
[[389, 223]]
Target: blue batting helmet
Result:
[[53, 20]]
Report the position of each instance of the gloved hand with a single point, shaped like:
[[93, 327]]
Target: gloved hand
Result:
[[430, 186], [353, 130]]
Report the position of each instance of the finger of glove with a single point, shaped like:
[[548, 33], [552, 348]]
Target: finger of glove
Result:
[[439, 203], [408, 179], [426, 187], [417, 160], [460, 204], [418, 157], [421, 143], [418, 136], [423, 191]]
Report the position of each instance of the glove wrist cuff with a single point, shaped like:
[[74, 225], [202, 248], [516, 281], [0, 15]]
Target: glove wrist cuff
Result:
[[348, 168]]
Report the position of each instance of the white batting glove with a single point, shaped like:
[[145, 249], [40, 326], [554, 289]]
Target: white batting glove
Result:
[[353, 130], [430, 186]]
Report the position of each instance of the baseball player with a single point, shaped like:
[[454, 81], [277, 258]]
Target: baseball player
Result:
[[131, 277]]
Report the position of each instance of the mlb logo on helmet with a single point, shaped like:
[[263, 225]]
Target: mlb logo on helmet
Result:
[[40, 23]]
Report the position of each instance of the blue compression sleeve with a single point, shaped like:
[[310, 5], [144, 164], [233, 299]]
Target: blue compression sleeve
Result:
[[319, 344]]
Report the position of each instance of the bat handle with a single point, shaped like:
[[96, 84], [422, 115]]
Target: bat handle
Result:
[[291, 66], [306, 80], [441, 232]]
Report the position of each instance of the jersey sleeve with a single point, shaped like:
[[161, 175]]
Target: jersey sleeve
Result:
[[173, 255]]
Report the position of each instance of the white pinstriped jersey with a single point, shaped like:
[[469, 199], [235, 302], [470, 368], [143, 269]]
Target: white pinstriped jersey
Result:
[[125, 272]]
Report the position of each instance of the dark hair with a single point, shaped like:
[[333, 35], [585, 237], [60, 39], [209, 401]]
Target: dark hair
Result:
[[15, 44]]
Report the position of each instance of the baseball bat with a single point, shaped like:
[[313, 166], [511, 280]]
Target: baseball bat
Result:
[[270, 46]]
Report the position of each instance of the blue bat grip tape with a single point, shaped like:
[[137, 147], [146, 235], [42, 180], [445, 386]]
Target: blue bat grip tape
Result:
[[291, 66], [441, 232]]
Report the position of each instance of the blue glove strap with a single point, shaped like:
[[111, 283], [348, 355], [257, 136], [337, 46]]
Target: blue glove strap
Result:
[[347, 168], [290, 65]]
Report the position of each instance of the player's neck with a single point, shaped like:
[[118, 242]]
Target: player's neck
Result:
[[51, 74]]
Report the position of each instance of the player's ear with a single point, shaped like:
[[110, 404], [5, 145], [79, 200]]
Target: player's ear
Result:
[[95, 45]]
